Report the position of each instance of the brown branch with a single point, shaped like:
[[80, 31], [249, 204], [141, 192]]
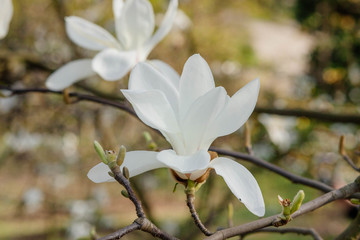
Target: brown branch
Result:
[[120, 178], [141, 223], [122, 232], [343, 153], [341, 193], [327, 117], [292, 177], [297, 230], [190, 197]]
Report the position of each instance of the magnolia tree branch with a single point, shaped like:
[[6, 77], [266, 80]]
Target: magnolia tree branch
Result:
[[141, 223], [190, 197], [327, 117], [297, 230], [341, 193]]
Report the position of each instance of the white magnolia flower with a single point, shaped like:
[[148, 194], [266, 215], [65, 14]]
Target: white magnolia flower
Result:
[[6, 12], [134, 23], [191, 113]]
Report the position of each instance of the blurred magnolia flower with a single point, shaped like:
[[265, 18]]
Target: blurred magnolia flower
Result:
[[134, 23], [280, 130], [6, 12], [191, 113]]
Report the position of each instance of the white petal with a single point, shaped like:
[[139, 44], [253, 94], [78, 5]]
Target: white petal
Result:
[[241, 183], [137, 162], [196, 80], [6, 13], [153, 109], [201, 113], [145, 77], [99, 174], [185, 164], [166, 70], [117, 9], [70, 73], [164, 28], [141, 161], [237, 111], [136, 23], [112, 64], [89, 35]]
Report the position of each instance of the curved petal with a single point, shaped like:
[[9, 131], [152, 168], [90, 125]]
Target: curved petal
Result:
[[70, 73], [237, 111], [99, 173], [168, 71], [89, 35], [117, 9], [136, 23], [185, 164], [241, 183], [164, 28], [112, 64], [136, 161], [145, 77], [153, 109], [141, 161], [196, 122], [196, 80], [6, 13]]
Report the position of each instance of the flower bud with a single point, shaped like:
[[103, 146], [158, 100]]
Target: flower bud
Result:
[[121, 156], [100, 152], [125, 172], [296, 203], [124, 193]]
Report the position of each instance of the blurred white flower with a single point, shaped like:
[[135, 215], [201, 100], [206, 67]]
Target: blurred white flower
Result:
[[134, 23], [280, 130], [6, 13], [33, 199], [191, 113]]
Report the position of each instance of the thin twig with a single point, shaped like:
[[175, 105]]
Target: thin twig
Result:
[[297, 230], [141, 223], [341, 193], [126, 183], [248, 145], [327, 117], [343, 153], [190, 203], [122, 232]]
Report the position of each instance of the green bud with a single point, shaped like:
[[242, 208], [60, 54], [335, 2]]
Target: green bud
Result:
[[124, 193], [230, 208], [149, 141], [125, 172], [121, 156], [93, 234], [111, 174], [147, 136], [100, 152], [296, 203], [110, 156], [355, 201]]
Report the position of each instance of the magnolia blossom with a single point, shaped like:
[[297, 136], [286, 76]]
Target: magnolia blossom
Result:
[[191, 113], [134, 25], [6, 12]]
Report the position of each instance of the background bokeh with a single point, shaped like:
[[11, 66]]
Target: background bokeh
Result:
[[306, 54]]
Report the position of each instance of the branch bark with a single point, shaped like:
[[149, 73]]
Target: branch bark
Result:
[[327, 117], [341, 193], [297, 230]]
